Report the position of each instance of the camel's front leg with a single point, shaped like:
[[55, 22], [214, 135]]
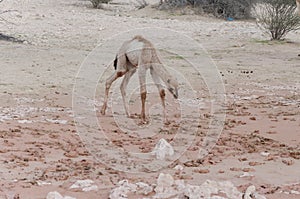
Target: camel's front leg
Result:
[[143, 91], [161, 91], [123, 89], [108, 83]]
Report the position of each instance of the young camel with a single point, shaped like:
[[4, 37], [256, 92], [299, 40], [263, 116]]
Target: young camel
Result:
[[139, 54]]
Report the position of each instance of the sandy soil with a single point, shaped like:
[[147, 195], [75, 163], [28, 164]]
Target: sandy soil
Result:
[[41, 150]]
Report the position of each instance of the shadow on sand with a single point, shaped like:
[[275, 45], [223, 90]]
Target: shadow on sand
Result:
[[10, 38]]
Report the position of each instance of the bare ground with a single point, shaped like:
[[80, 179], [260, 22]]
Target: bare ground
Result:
[[39, 141]]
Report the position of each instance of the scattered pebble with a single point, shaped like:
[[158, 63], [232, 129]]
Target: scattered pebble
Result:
[[42, 183], [265, 154], [246, 174], [288, 162]]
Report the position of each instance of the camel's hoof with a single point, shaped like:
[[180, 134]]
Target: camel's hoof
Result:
[[143, 122], [102, 112]]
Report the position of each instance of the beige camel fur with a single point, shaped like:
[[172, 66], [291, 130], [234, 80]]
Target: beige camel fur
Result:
[[139, 54]]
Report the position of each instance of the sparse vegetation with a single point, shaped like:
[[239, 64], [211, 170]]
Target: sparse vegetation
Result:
[[97, 3], [277, 18], [140, 4], [237, 9]]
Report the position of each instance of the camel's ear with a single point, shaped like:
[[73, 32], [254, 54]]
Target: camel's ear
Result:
[[115, 62]]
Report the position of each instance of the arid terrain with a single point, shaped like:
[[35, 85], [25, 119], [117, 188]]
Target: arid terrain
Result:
[[44, 149]]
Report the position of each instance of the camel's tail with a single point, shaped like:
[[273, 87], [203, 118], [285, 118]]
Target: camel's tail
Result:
[[115, 62]]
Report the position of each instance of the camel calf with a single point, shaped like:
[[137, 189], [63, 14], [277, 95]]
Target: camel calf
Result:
[[139, 54]]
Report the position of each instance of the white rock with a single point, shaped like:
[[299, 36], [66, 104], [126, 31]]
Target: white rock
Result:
[[81, 184], [295, 192], [167, 187], [180, 185], [162, 149], [250, 190], [208, 188], [54, 195], [85, 185], [193, 192], [123, 189], [251, 193], [42, 183], [217, 197], [143, 188], [90, 188], [164, 187], [246, 174], [118, 193], [57, 121], [165, 180], [25, 121], [265, 154]]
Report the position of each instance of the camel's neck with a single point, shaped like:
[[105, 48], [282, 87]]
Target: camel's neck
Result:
[[163, 73]]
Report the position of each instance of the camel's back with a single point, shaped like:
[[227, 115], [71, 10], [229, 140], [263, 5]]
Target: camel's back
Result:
[[139, 42], [139, 49]]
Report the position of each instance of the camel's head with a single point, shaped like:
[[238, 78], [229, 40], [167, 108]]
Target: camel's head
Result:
[[173, 87]]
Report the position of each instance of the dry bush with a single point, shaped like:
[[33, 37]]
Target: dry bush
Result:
[[140, 4], [277, 17], [237, 9], [97, 3]]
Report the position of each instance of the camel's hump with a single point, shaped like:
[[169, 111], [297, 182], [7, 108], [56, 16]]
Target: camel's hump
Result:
[[139, 38]]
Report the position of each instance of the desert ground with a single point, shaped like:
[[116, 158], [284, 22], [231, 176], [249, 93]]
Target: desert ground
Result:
[[44, 147]]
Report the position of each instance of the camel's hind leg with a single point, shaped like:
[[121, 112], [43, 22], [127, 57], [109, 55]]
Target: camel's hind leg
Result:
[[123, 87], [161, 91], [108, 83], [143, 91]]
